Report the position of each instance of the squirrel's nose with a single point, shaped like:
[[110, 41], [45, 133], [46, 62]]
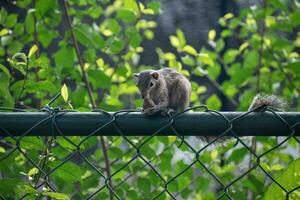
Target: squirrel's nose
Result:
[[143, 96]]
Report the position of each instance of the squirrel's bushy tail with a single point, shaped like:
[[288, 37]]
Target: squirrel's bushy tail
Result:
[[261, 101]]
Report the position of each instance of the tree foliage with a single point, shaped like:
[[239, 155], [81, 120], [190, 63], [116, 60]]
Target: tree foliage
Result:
[[38, 60]]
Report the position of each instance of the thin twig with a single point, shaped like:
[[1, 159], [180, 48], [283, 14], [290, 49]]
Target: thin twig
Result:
[[25, 78], [75, 43], [43, 159], [36, 42], [250, 194], [261, 49], [89, 90]]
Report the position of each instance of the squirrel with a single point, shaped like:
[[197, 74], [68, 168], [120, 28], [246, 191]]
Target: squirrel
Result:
[[164, 90], [167, 90]]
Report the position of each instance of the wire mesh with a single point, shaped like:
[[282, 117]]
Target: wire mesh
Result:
[[40, 157]]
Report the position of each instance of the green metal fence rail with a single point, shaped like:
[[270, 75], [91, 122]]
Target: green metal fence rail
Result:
[[135, 124], [16, 126]]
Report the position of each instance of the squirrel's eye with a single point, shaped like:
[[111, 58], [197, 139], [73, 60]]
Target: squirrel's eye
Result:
[[151, 84]]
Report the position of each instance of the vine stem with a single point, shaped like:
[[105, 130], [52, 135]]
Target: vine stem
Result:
[[262, 32], [261, 49], [36, 42], [88, 88], [75, 43], [25, 79]]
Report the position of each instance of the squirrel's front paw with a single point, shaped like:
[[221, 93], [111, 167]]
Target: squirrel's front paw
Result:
[[167, 111], [150, 111]]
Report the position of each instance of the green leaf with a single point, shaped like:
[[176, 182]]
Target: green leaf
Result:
[[64, 57], [148, 151], [220, 45], [66, 144], [243, 46], [46, 35], [131, 5], [228, 16], [230, 55], [11, 20], [190, 50], [19, 29], [113, 25], [295, 18], [115, 152], [32, 50], [56, 195], [276, 167], [19, 57], [251, 59], [199, 71], [181, 37], [169, 56], [4, 31], [32, 86], [174, 41], [212, 34], [117, 46], [134, 37], [84, 35], [12, 186], [188, 60], [205, 59], [7, 100], [213, 102], [95, 12], [294, 66], [64, 93], [3, 15], [5, 70], [32, 143], [7, 186], [155, 6], [289, 178], [33, 171], [69, 172], [144, 185], [238, 155], [99, 79], [45, 5], [126, 15], [100, 62], [29, 22], [173, 186]]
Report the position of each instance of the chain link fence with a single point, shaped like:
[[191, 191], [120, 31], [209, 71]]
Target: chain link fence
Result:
[[163, 162]]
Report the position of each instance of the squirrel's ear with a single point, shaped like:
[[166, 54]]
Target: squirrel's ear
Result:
[[155, 75], [136, 77]]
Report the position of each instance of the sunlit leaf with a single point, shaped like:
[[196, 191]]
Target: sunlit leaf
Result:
[[190, 50], [64, 93], [174, 41], [32, 50], [212, 34], [33, 171], [205, 59]]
